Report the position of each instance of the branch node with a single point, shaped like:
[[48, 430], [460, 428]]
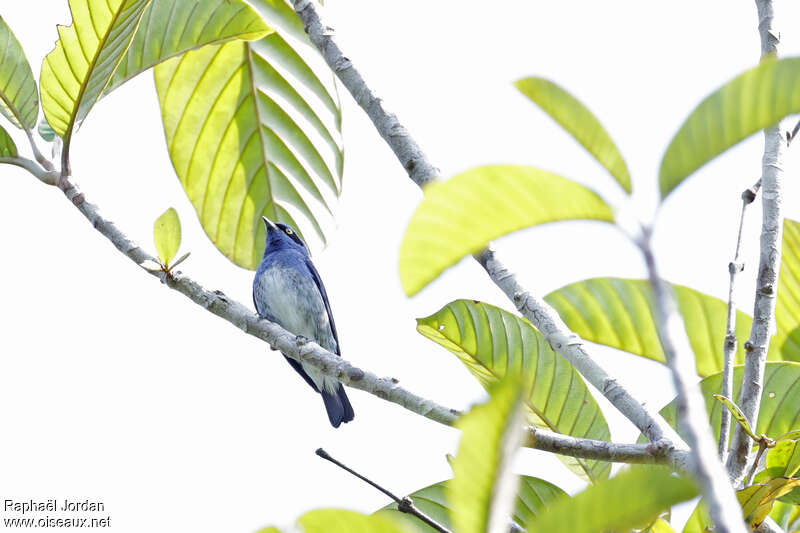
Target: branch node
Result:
[[748, 346]]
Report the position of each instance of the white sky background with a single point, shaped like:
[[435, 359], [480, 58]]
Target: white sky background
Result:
[[117, 389]]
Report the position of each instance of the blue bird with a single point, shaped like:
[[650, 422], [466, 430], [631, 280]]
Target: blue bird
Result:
[[287, 290]]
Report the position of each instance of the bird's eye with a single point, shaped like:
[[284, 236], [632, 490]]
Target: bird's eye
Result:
[[288, 231]]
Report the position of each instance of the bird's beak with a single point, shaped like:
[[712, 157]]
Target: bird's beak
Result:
[[268, 223]]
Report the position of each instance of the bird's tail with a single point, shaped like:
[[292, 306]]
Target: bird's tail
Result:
[[338, 406]]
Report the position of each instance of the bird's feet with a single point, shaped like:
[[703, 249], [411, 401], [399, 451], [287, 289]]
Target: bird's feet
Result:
[[302, 340]]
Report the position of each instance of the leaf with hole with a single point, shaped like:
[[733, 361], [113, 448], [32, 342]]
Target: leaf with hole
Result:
[[778, 413], [533, 497], [579, 122], [167, 234], [80, 67], [459, 217], [251, 132], [19, 99], [490, 342], [754, 100], [629, 499], [619, 312], [483, 490]]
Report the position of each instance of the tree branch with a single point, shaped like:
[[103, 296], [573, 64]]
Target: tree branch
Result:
[[421, 171], [731, 343], [335, 366], [723, 506], [45, 176], [404, 505], [769, 265]]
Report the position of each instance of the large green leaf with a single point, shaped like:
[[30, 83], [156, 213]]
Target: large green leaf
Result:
[[172, 27], [19, 100], [484, 487], [341, 521], [460, 216], [623, 502], [252, 132], [778, 413], [785, 457], [80, 67], [619, 313], [7, 146], [756, 501], [579, 122], [787, 308], [491, 341], [534, 496], [750, 102]]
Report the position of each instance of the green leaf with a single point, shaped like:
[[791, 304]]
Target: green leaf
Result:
[[579, 122], [749, 103], [80, 67], [45, 131], [778, 412], [172, 27], [7, 146], [757, 500], [534, 496], [245, 143], [660, 526], [19, 100], [167, 234], [460, 216], [490, 341], [481, 494], [787, 308], [785, 457], [625, 501], [700, 520], [341, 521], [271, 529], [790, 435], [619, 312], [737, 414]]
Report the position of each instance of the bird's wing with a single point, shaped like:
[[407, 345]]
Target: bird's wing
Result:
[[321, 287]]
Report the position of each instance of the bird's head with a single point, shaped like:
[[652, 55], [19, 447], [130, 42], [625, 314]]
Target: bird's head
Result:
[[282, 236]]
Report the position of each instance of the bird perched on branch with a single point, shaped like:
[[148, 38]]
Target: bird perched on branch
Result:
[[287, 290]]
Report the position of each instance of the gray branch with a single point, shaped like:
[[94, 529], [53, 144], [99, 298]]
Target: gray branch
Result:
[[723, 506], [421, 171], [731, 343], [45, 176], [332, 365], [769, 265]]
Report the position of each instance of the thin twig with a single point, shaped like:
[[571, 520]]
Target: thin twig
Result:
[[404, 505], [790, 136], [757, 346], [422, 171], [731, 343], [45, 176], [762, 446], [36, 153], [723, 507]]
